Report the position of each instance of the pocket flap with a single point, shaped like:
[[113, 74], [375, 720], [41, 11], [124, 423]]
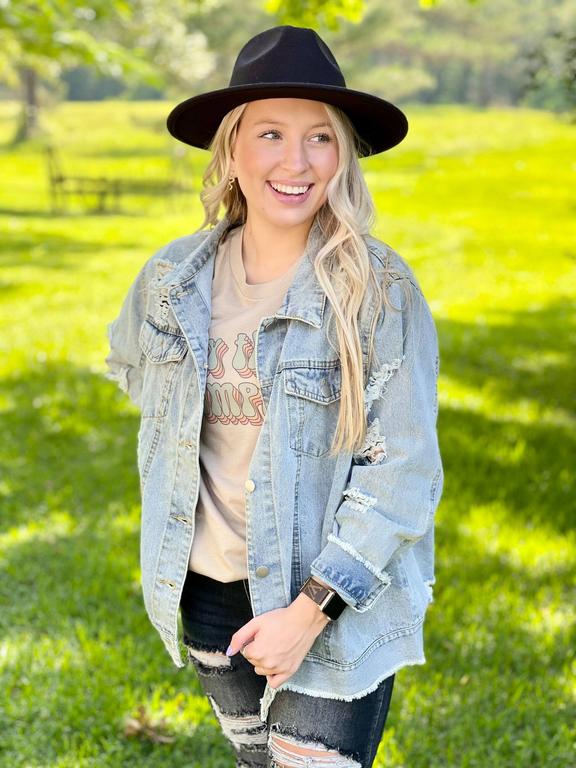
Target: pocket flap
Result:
[[161, 346], [322, 385]]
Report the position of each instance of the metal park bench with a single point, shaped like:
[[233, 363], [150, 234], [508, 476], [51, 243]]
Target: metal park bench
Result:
[[103, 189], [86, 187]]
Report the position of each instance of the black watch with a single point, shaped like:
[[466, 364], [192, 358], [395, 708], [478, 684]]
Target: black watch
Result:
[[327, 599]]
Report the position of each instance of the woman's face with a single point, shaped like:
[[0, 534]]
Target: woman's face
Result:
[[286, 142]]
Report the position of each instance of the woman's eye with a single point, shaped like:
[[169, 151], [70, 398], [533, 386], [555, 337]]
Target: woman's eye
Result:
[[324, 136]]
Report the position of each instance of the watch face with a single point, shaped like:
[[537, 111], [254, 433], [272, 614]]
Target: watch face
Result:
[[334, 606]]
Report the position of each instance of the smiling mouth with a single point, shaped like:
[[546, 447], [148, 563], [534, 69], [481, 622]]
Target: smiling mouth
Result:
[[293, 190]]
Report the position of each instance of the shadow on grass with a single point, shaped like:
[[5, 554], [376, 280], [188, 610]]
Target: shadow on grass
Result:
[[50, 251], [522, 466], [75, 211], [162, 158], [132, 206], [528, 356], [28, 213], [70, 443], [525, 464]]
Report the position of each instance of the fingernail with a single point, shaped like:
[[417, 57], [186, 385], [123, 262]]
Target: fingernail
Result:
[[229, 651]]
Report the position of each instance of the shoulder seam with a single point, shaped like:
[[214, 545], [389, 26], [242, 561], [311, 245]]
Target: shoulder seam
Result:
[[393, 274]]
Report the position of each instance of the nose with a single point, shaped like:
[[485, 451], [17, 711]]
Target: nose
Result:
[[295, 158]]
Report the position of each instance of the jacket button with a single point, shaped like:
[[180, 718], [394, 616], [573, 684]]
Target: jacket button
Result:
[[250, 485], [262, 570]]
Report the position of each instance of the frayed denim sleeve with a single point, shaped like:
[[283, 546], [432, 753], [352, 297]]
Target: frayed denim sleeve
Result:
[[395, 483], [125, 357]]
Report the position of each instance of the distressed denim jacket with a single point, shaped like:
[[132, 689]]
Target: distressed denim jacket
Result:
[[362, 522]]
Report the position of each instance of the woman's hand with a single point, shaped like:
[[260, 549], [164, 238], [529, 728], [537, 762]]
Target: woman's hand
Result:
[[276, 642]]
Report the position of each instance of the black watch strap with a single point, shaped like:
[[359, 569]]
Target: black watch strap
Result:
[[327, 599]]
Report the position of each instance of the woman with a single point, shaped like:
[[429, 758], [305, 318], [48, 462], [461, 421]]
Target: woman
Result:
[[285, 363]]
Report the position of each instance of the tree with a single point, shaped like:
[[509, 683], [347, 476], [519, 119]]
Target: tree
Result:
[[551, 59], [142, 41], [149, 41]]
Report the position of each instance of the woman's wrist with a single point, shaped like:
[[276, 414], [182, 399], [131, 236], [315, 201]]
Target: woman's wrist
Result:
[[310, 611]]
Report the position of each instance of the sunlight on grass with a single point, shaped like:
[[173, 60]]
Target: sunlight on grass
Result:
[[533, 548], [522, 411], [549, 621], [52, 527]]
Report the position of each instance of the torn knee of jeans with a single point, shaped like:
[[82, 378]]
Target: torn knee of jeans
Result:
[[209, 661], [295, 752], [244, 730], [358, 500], [377, 383], [373, 450], [246, 762]]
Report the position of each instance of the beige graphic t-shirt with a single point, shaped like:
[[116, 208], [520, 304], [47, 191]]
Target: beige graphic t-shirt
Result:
[[232, 411]]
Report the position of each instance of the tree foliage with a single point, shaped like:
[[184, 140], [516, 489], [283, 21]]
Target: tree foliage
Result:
[[311, 13], [145, 41], [485, 52], [471, 51], [133, 41]]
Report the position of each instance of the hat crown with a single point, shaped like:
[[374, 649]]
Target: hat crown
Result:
[[289, 62], [286, 54]]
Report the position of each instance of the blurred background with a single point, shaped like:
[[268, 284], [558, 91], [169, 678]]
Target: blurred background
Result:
[[479, 200]]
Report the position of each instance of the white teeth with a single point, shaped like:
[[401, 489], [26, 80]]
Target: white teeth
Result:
[[290, 190]]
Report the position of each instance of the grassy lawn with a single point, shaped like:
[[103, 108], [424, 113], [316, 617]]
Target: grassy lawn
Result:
[[479, 203]]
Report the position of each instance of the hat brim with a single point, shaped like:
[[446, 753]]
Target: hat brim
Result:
[[379, 123]]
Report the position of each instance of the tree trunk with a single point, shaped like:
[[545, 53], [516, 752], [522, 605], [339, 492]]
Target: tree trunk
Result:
[[29, 123]]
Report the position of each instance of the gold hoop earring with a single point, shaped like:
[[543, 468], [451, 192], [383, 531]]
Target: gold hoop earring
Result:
[[231, 183]]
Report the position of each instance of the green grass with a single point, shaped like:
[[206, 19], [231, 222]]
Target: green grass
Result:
[[481, 204]]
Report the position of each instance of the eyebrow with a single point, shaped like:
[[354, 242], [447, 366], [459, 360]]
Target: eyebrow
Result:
[[277, 122]]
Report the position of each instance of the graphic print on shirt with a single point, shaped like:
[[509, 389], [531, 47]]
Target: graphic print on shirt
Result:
[[225, 402]]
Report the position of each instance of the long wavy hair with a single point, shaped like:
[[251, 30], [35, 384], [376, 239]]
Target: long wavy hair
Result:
[[342, 264]]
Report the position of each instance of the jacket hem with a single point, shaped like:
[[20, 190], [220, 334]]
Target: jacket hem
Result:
[[314, 679]]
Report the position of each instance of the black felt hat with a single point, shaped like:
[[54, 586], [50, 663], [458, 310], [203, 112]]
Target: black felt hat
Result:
[[289, 62]]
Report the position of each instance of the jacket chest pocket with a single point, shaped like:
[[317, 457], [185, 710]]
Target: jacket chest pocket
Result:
[[164, 351], [313, 402]]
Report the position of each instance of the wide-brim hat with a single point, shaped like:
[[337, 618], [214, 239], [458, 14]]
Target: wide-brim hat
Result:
[[289, 62]]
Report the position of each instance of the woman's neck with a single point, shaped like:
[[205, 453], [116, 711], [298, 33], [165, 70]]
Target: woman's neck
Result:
[[268, 251]]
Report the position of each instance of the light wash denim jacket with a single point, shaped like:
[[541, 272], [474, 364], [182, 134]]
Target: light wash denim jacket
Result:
[[363, 522]]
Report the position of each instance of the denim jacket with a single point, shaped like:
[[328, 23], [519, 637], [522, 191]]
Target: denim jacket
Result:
[[363, 522]]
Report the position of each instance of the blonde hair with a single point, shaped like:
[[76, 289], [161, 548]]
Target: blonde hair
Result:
[[342, 265]]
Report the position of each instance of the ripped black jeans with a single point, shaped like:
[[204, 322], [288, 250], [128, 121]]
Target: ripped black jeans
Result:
[[301, 730]]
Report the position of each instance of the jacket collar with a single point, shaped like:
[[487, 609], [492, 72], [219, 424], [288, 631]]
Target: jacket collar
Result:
[[304, 300]]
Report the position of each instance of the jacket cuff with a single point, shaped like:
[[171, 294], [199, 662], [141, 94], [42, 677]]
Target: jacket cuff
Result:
[[121, 370], [344, 569], [128, 378]]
